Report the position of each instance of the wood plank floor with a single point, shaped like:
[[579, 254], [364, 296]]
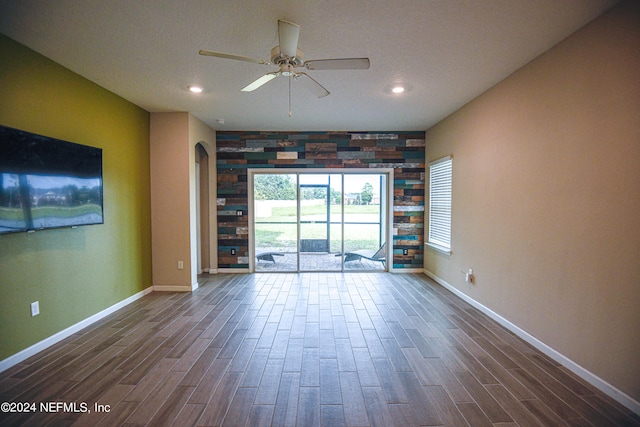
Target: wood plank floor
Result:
[[354, 349]]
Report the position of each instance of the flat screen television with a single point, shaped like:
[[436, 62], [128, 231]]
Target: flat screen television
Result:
[[47, 183]]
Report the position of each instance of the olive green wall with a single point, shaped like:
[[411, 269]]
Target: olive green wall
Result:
[[546, 199], [74, 273]]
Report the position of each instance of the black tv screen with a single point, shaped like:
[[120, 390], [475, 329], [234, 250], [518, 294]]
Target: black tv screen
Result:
[[47, 183]]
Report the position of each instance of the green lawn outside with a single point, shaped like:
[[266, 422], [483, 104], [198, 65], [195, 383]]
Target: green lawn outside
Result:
[[15, 214], [279, 230], [288, 213], [11, 214], [66, 212]]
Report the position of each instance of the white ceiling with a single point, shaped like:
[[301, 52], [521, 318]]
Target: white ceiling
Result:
[[447, 51]]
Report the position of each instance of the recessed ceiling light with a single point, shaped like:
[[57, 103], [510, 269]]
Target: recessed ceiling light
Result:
[[195, 89], [397, 88]]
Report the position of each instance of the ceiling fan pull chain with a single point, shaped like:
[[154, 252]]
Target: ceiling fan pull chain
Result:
[[290, 93]]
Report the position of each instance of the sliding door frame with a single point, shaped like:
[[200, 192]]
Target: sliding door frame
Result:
[[388, 232]]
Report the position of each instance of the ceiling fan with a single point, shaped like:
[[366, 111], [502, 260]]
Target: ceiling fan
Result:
[[288, 58]]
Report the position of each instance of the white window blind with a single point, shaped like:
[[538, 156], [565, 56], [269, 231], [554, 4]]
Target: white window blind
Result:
[[440, 180]]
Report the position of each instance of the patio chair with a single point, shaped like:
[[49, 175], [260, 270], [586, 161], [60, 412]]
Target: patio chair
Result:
[[372, 255], [268, 256]]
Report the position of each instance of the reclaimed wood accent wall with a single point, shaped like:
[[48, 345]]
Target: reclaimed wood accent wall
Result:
[[238, 151]]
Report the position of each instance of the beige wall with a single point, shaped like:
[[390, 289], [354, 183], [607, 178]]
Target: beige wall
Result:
[[202, 159], [170, 199], [173, 197], [546, 198], [200, 133]]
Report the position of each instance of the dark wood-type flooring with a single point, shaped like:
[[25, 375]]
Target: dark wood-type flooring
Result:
[[354, 349]]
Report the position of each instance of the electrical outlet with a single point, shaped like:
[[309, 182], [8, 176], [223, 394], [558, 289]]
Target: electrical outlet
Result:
[[180, 265], [405, 252], [35, 308], [233, 251]]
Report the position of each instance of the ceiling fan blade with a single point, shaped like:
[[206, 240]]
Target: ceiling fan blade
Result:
[[236, 57], [312, 85], [288, 34], [262, 80], [338, 64]]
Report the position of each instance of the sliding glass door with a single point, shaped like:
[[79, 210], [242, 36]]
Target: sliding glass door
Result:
[[364, 222], [309, 221], [275, 221]]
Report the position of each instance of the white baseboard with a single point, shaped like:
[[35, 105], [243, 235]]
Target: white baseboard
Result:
[[65, 333], [175, 288], [405, 270], [583, 373], [243, 270], [232, 270]]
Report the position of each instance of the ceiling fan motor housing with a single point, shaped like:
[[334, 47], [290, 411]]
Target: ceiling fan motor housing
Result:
[[279, 59]]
